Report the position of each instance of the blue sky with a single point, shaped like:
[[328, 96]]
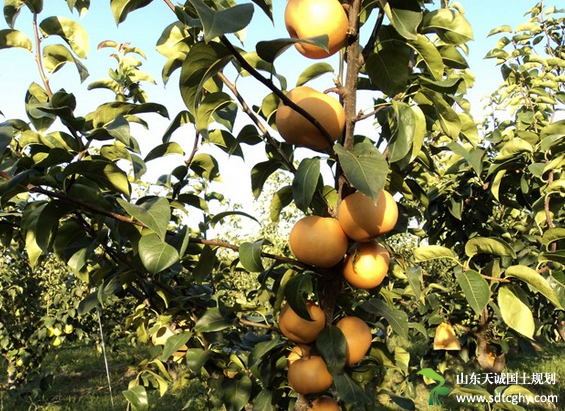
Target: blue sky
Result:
[[143, 28]]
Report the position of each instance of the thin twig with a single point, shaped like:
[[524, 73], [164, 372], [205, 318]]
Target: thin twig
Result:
[[38, 58], [256, 325], [374, 36], [251, 114], [500, 280], [362, 116], [271, 86]]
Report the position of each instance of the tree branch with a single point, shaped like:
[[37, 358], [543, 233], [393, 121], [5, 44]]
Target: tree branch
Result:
[[38, 58], [100, 211], [271, 86], [257, 122], [350, 99]]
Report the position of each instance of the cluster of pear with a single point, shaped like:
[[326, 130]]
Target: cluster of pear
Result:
[[323, 242], [307, 372], [305, 19]]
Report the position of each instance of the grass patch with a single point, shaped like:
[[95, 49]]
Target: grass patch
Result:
[[79, 382]]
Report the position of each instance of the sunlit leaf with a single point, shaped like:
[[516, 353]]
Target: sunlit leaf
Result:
[[332, 346], [535, 280], [121, 8], [312, 72], [305, 182], [216, 23], [431, 252], [155, 213], [155, 254], [137, 397], [250, 256], [105, 173], [364, 167], [14, 38], [55, 56], [475, 289], [68, 30], [483, 245], [515, 310]]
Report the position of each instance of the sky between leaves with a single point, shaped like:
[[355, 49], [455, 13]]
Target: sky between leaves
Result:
[[143, 28]]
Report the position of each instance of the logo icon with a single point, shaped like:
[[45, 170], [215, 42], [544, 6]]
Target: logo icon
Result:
[[437, 391]]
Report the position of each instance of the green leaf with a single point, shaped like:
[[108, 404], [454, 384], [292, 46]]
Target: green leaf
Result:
[[206, 262], [196, 358], [206, 167], [12, 10], [397, 319], [55, 56], [164, 150], [264, 401], [349, 391], [450, 25], [14, 38], [261, 349], [182, 118], [220, 216], [68, 30], [484, 245], [405, 16], [236, 392], [475, 289], [202, 62], [502, 29], [388, 70], [448, 118], [266, 6], [102, 172], [174, 343], [48, 219], [250, 256], [513, 148], [364, 167], [281, 199], [137, 397], [155, 213], [431, 252], [155, 254], [260, 173], [226, 142], [535, 280], [213, 320], [216, 23], [108, 113], [37, 98], [403, 402], [312, 72], [515, 310], [332, 346], [121, 8], [429, 54], [305, 182], [294, 291], [553, 234], [452, 57], [211, 103], [271, 49], [404, 127]]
